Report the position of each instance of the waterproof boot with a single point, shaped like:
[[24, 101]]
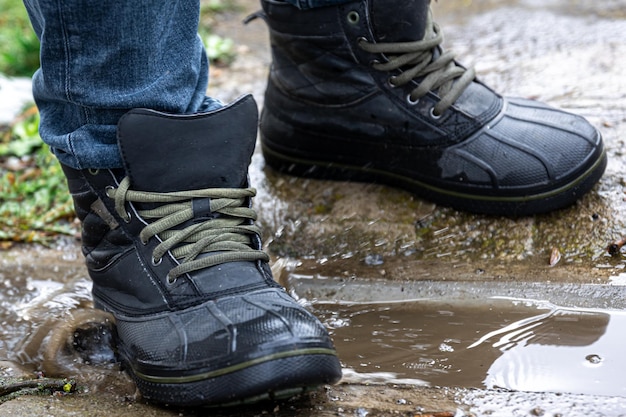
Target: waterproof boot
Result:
[[363, 91], [173, 252]]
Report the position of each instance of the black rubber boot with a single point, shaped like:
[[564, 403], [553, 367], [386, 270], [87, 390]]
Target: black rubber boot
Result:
[[363, 91], [174, 254]]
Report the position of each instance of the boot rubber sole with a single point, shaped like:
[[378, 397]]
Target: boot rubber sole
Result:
[[523, 205], [277, 376]]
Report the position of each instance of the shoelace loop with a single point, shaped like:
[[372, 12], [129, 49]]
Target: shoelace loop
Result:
[[417, 60], [226, 236]]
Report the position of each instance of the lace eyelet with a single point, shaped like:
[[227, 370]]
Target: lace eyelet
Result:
[[353, 17], [361, 39], [127, 219], [410, 101], [433, 115], [390, 81], [93, 171], [157, 263], [374, 62], [170, 280], [108, 189]]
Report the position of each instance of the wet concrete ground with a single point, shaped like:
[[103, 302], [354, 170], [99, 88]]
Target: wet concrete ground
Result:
[[381, 267]]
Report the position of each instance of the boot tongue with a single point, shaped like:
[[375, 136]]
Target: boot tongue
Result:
[[399, 21], [166, 153]]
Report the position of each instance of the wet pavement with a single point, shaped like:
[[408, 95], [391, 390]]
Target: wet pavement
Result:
[[432, 310]]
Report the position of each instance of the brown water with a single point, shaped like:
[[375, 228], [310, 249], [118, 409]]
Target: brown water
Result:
[[501, 344], [536, 337], [457, 335]]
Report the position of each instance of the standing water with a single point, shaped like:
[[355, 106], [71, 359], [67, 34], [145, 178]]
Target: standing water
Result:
[[463, 335]]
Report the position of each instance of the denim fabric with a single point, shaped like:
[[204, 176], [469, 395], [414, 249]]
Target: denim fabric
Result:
[[100, 58], [310, 4]]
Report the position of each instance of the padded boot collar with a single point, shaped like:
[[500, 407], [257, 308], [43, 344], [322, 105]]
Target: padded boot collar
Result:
[[166, 153]]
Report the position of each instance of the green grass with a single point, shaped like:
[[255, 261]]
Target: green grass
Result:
[[35, 205], [19, 46], [221, 51]]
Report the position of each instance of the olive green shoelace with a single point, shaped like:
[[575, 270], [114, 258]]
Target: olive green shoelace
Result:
[[226, 236], [417, 61]]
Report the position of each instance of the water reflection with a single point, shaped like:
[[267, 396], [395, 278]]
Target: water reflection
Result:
[[565, 351], [494, 342]]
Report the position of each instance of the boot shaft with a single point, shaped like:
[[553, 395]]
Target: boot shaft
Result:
[[398, 21], [388, 21], [165, 153], [144, 226], [373, 57], [320, 55]]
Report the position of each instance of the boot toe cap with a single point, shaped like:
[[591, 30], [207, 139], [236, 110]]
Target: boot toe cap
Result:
[[529, 148], [227, 333]]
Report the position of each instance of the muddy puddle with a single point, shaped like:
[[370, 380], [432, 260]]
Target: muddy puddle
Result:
[[527, 336], [50, 329], [465, 335]]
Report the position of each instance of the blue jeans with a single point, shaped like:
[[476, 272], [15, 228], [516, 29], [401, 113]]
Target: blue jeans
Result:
[[101, 58]]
